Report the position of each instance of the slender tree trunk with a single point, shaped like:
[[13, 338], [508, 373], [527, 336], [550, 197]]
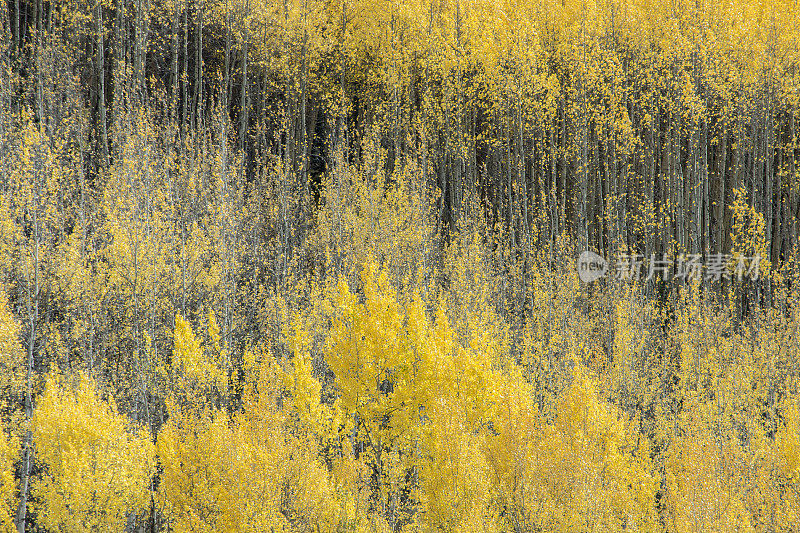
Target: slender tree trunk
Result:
[[175, 81], [722, 177], [185, 117], [198, 75], [119, 67], [101, 83], [33, 319], [6, 62], [225, 93], [793, 193], [243, 111], [17, 37], [583, 162]]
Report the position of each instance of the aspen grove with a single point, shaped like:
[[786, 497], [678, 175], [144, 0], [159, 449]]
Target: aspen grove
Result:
[[310, 266]]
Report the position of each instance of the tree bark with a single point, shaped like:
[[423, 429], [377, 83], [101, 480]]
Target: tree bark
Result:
[[101, 84]]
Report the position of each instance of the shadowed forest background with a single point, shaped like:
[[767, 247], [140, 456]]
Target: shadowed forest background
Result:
[[309, 265]]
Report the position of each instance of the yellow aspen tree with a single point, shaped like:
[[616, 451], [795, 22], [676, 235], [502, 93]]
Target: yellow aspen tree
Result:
[[393, 370], [456, 489], [132, 261], [12, 426], [455, 485], [193, 452], [37, 173], [368, 352], [406, 391], [12, 368], [704, 476], [197, 375], [786, 493], [291, 452], [96, 467], [192, 444], [254, 471], [12, 386], [8, 485], [587, 470]]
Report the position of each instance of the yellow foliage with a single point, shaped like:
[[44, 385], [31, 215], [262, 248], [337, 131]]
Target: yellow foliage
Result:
[[748, 235], [196, 370], [12, 379], [705, 478], [8, 486], [586, 471], [252, 472], [388, 242], [782, 500], [96, 468], [456, 485], [788, 442], [12, 362]]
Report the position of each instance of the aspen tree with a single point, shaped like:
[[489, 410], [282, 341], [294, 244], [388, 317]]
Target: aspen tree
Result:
[[96, 469], [12, 366]]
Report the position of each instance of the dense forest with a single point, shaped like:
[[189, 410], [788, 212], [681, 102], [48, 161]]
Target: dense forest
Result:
[[312, 266]]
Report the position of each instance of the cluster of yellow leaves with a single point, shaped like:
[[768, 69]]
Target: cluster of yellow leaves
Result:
[[8, 485], [728, 449], [748, 232], [587, 469], [371, 217], [11, 387], [456, 413], [788, 442], [705, 477], [201, 368], [715, 483], [96, 467], [249, 472], [787, 459], [456, 483], [12, 358]]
